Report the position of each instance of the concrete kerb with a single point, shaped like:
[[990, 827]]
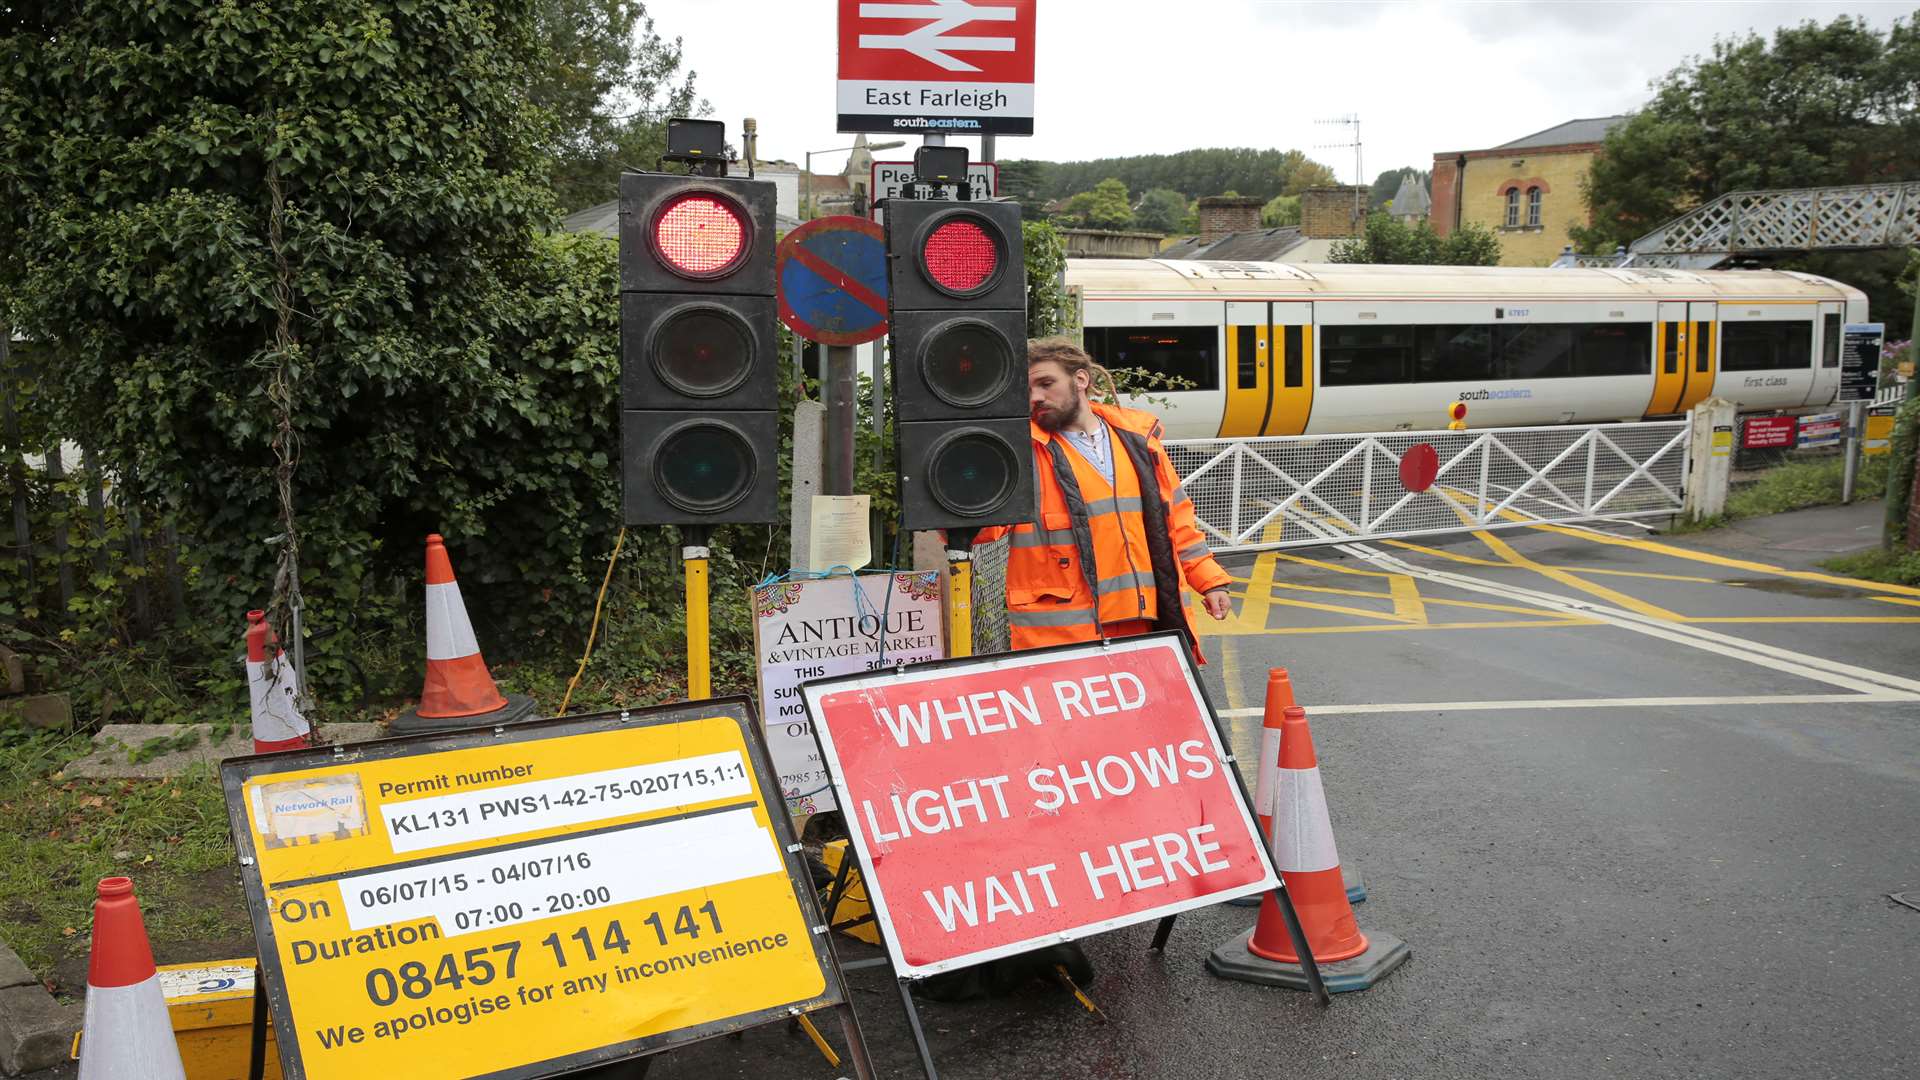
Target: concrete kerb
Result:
[[115, 744], [36, 1031]]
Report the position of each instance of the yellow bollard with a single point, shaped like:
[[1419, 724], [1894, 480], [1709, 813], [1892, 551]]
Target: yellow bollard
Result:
[[959, 603], [699, 655]]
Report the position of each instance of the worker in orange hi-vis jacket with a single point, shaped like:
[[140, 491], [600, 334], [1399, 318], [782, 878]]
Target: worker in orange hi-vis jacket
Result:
[[1114, 538]]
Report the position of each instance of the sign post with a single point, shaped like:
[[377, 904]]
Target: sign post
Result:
[[528, 900], [1859, 377], [832, 278], [1006, 803]]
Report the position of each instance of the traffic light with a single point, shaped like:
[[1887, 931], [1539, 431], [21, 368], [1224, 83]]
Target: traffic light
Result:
[[699, 426], [957, 293]]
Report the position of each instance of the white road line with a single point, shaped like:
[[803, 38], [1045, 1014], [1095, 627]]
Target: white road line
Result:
[[1773, 657], [1591, 703]]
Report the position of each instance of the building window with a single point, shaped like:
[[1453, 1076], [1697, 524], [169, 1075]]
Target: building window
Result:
[[1513, 207], [1533, 207]]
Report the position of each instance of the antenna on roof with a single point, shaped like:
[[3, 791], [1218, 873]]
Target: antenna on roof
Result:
[[1351, 121]]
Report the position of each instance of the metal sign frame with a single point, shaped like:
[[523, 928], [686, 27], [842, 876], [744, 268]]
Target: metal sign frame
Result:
[[236, 772]]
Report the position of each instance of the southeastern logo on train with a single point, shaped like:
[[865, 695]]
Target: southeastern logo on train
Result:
[[1494, 395]]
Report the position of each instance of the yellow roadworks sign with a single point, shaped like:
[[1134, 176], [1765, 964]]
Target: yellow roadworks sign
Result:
[[525, 900]]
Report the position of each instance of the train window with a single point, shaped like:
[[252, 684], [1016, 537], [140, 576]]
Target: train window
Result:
[[1246, 365], [1296, 356], [1188, 353], [1670, 354], [1702, 347], [1765, 346], [1365, 355], [1612, 349], [1450, 353], [1830, 341], [1536, 350]]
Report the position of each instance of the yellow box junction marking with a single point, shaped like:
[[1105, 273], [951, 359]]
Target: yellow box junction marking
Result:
[[524, 898]]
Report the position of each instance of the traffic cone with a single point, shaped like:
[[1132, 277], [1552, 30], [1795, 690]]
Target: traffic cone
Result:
[[459, 691], [271, 684], [128, 1034], [1304, 851], [1279, 699]]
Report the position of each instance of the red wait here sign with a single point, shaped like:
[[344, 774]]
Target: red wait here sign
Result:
[[1003, 803]]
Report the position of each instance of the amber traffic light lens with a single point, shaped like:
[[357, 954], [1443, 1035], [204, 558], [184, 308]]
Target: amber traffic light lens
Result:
[[702, 351], [971, 472], [966, 364], [703, 467], [701, 236], [961, 257]]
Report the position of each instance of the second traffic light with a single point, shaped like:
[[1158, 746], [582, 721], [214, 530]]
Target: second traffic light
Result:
[[957, 293], [698, 350]]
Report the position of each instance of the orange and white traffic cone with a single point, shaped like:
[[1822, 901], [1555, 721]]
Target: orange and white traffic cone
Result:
[[1279, 699], [271, 684], [128, 1033], [459, 691], [1304, 852]]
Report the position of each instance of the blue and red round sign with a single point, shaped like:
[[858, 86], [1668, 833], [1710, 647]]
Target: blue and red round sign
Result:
[[832, 280]]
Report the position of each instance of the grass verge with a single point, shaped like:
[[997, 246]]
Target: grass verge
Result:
[[1796, 485], [63, 836], [1892, 567]]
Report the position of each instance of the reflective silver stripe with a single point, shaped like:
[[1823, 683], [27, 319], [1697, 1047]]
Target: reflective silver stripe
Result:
[[1180, 493], [1108, 506], [1032, 538], [1197, 551], [1132, 579], [1075, 617]]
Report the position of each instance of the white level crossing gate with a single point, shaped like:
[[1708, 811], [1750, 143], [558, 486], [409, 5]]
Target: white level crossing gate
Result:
[[1303, 490]]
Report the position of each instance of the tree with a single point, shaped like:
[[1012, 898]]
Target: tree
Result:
[[1193, 173], [609, 82], [1160, 210], [1023, 180], [339, 206], [1280, 210], [1819, 105], [1388, 240], [1296, 173], [1105, 207]]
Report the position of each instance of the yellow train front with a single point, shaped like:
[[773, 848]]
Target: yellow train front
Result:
[[1283, 349]]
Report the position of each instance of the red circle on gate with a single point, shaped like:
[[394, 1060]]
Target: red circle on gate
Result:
[[1418, 467]]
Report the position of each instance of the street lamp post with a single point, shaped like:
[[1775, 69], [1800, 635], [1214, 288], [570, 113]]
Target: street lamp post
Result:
[[806, 196]]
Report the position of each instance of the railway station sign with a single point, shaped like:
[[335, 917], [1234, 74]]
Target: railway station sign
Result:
[[936, 67], [1006, 802], [1860, 360], [526, 900], [833, 626]]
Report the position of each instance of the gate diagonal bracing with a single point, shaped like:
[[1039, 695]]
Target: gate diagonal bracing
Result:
[[1297, 491]]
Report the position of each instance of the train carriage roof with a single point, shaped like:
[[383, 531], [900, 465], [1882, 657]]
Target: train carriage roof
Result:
[[1175, 279]]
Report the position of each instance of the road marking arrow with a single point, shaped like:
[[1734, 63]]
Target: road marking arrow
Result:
[[930, 42]]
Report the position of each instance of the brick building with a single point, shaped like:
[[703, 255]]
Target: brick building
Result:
[[1527, 191], [1230, 228]]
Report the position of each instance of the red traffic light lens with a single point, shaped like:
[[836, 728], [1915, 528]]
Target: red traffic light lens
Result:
[[701, 235], [1459, 410], [960, 256], [966, 363], [702, 351]]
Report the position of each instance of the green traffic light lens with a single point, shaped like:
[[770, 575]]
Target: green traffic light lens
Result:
[[972, 472], [702, 350], [704, 467], [966, 364]]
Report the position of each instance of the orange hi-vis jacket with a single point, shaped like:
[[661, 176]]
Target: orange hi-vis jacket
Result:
[[1096, 554]]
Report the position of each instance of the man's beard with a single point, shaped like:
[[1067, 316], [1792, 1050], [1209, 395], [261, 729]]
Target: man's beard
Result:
[[1051, 420]]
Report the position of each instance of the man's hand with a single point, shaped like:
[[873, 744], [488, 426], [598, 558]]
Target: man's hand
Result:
[[1219, 604]]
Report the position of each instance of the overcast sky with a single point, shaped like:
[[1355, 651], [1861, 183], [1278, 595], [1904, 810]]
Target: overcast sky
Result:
[[1119, 77]]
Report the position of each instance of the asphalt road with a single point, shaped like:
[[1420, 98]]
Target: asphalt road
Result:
[[1637, 806], [1647, 828]]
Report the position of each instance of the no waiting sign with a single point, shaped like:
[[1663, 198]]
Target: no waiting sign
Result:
[[962, 67], [525, 901], [1007, 802]]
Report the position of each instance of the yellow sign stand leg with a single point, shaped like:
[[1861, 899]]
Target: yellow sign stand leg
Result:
[[699, 655], [959, 602]]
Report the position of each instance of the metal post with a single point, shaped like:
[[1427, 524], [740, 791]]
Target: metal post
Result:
[[959, 601], [987, 149], [841, 419], [693, 556], [1856, 421], [56, 472], [806, 188]]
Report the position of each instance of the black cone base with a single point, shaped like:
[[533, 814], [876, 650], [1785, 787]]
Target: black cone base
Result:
[[518, 707]]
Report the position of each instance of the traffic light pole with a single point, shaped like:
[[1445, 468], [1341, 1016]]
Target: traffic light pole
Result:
[[960, 592], [841, 420], [693, 558]]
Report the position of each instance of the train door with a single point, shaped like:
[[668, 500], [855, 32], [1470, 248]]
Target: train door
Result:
[[1825, 385], [1292, 369], [1249, 370], [1701, 361], [1669, 359]]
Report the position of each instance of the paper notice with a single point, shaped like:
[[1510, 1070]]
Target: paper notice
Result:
[[839, 537]]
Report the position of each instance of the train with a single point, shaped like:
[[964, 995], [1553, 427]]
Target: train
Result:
[[1259, 348]]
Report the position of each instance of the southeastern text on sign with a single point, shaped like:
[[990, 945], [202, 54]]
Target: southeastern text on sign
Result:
[[1004, 802], [512, 903]]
